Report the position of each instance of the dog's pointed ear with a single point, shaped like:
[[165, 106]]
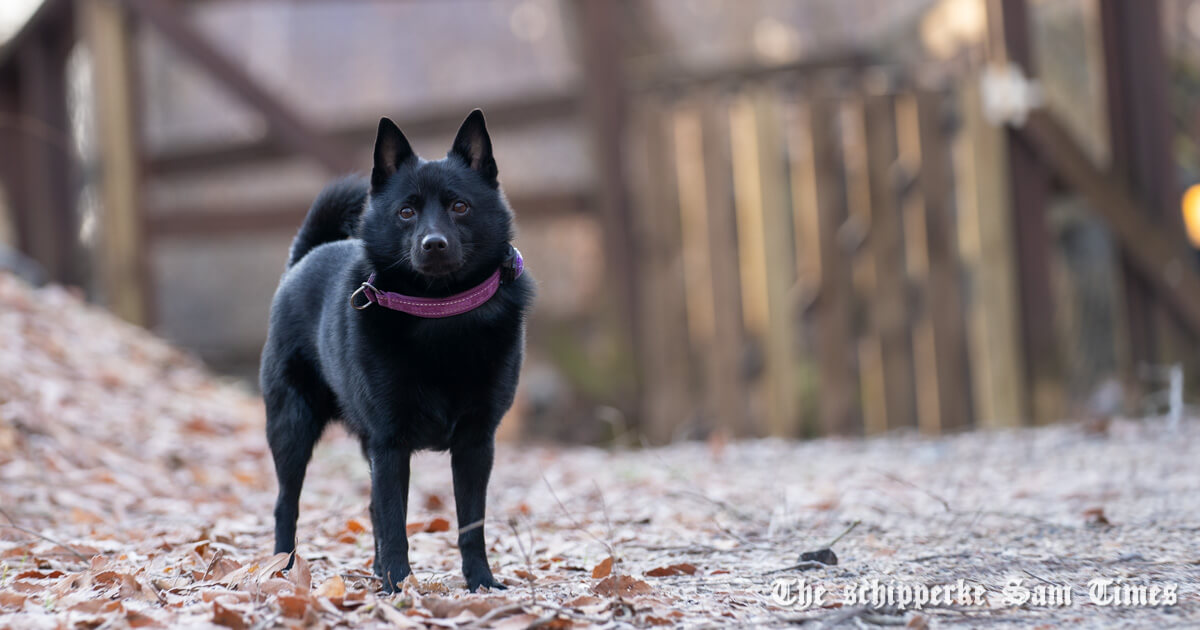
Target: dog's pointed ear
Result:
[[392, 151], [473, 146]]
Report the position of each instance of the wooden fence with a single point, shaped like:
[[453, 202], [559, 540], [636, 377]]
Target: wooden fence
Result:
[[802, 268]]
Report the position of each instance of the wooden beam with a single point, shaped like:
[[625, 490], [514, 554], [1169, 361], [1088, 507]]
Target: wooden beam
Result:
[[216, 221], [526, 112], [1156, 252], [122, 256], [287, 126]]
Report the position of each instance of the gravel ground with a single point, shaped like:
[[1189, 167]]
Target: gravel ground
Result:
[[136, 490]]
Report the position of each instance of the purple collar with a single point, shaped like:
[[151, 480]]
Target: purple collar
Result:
[[434, 308]]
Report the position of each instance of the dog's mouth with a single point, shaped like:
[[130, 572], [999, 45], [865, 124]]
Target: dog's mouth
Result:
[[438, 268]]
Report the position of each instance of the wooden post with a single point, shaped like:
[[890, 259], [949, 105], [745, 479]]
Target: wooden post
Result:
[[813, 144], [985, 239], [50, 179], [727, 378], [605, 103], [890, 316], [713, 326], [121, 255], [862, 266], [1140, 141], [1009, 43], [939, 334], [14, 231], [664, 353], [765, 252]]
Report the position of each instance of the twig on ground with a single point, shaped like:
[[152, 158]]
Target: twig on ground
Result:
[[512, 522], [939, 499], [575, 522], [13, 525], [842, 535]]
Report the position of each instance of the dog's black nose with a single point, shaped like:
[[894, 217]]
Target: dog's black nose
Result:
[[433, 241]]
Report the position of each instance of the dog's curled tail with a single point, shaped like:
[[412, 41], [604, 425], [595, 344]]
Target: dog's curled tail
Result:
[[333, 216]]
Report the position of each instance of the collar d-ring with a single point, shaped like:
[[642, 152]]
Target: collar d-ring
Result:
[[361, 290]]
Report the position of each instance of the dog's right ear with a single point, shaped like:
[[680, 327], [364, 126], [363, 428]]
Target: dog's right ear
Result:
[[392, 151]]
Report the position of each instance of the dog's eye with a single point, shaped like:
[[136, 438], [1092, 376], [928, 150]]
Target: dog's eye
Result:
[[460, 207], [407, 213]]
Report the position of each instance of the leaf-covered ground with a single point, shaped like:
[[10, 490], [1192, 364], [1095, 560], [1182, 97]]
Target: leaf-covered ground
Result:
[[136, 490]]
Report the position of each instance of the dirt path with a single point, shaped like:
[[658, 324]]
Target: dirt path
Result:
[[140, 490]]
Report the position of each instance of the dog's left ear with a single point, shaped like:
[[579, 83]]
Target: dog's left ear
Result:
[[473, 146]]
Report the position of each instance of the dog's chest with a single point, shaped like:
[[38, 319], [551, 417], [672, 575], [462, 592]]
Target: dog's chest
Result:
[[435, 385]]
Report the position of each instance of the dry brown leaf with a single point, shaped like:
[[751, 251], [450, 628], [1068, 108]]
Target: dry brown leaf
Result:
[[237, 596], [604, 569], [621, 586], [301, 575], [270, 567], [275, 586], [11, 599], [334, 587], [355, 527], [434, 503], [674, 569], [1095, 517], [294, 606], [445, 608], [225, 614], [918, 622], [524, 575]]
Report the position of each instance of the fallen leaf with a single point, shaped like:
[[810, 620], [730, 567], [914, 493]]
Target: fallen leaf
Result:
[[301, 575], [11, 599], [524, 575], [604, 569], [334, 587], [228, 616], [1096, 518], [674, 569], [434, 503], [621, 586]]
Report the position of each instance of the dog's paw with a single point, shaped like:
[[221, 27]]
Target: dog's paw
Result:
[[393, 579], [476, 581]]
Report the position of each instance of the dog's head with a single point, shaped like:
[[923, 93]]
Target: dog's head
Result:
[[436, 222]]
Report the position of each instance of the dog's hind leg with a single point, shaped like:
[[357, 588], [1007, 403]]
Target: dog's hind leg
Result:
[[294, 425]]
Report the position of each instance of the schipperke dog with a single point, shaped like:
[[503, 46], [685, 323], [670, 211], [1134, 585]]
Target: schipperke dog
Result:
[[402, 314]]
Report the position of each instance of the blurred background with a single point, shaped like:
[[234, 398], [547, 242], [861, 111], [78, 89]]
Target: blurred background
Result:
[[747, 218]]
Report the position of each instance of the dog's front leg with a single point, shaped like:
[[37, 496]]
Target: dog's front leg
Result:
[[389, 512], [472, 466]]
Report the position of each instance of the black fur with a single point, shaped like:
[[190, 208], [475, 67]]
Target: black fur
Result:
[[398, 382]]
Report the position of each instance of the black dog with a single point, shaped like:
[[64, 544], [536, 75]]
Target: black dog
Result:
[[400, 382]]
